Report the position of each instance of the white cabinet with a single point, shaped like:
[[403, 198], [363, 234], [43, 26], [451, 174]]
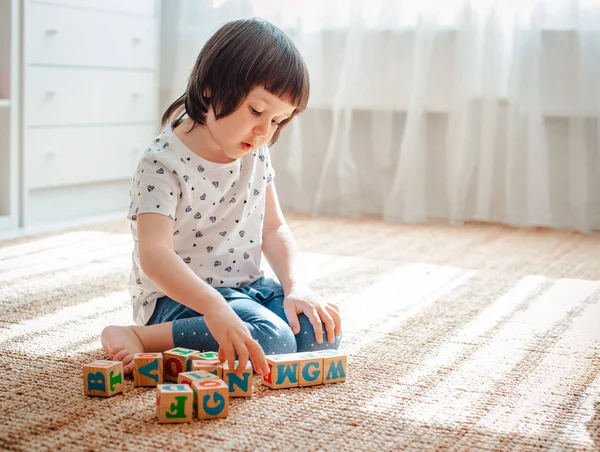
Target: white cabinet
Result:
[[84, 104]]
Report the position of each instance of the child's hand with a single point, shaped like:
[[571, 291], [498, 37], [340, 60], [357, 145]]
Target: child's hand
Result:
[[234, 337], [302, 299]]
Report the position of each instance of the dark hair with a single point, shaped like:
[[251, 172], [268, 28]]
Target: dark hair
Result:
[[240, 56]]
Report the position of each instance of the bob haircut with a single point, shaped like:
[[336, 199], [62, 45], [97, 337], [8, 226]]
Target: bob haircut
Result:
[[240, 56]]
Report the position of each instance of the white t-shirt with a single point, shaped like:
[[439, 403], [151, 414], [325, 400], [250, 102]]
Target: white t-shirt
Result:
[[218, 211]]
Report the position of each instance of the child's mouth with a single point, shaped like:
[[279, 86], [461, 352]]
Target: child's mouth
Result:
[[246, 146]]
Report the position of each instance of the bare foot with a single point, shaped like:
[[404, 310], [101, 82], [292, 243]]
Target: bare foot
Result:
[[121, 342]]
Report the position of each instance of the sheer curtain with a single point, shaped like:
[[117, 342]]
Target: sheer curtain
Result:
[[429, 111]]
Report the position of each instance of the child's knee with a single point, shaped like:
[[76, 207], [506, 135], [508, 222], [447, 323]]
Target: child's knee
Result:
[[306, 340], [277, 338]]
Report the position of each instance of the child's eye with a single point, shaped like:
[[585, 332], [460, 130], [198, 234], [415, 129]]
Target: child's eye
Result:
[[275, 123], [254, 111]]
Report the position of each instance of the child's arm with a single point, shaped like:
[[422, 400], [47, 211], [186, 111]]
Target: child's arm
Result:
[[166, 269], [280, 249]]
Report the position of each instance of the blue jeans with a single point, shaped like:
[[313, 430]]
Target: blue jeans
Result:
[[259, 305]]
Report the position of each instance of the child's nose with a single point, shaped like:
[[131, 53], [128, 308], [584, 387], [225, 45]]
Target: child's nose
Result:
[[261, 130]]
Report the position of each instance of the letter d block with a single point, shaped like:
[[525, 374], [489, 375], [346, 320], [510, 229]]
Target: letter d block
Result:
[[103, 378], [176, 361], [213, 398], [148, 370], [334, 366], [238, 386], [283, 371], [174, 403]]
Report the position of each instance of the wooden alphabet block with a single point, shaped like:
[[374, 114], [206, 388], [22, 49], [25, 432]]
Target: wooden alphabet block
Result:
[[239, 386], [310, 369], [212, 397], [334, 366], [174, 403], [283, 371], [148, 370], [176, 361], [209, 365], [187, 378], [206, 356], [103, 378]]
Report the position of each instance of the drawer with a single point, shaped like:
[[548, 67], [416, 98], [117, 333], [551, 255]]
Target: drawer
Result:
[[62, 96], [64, 36], [141, 7], [84, 155]]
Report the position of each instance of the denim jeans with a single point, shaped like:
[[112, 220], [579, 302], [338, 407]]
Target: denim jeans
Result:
[[259, 305]]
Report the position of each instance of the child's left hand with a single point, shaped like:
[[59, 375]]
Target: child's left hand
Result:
[[302, 299]]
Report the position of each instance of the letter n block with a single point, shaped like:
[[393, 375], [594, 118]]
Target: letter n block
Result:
[[214, 366], [213, 398], [174, 403], [103, 378], [283, 371], [334, 366], [148, 370], [239, 386], [176, 361]]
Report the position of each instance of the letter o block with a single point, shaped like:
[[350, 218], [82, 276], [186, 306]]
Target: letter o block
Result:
[[148, 370], [213, 398], [176, 361], [174, 403], [103, 378]]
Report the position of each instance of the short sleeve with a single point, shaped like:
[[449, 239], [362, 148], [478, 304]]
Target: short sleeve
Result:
[[269, 170], [155, 189]]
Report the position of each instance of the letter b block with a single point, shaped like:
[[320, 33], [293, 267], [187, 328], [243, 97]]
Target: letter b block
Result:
[[174, 403], [148, 370], [103, 378], [213, 398]]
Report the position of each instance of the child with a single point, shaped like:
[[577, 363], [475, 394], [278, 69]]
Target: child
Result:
[[204, 206]]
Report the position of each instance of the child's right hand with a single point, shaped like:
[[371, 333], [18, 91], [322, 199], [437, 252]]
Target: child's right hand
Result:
[[234, 337]]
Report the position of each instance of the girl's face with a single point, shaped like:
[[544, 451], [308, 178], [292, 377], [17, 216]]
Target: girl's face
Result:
[[251, 126]]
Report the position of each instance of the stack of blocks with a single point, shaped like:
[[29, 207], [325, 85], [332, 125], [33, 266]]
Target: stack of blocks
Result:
[[203, 384]]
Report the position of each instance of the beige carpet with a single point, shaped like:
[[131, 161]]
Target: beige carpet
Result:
[[481, 337]]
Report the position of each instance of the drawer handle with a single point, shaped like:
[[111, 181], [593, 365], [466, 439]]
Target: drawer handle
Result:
[[51, 93], [136, 40], [51, 31], [135, 95]]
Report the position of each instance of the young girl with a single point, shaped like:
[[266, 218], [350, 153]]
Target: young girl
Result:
[[204, 208]]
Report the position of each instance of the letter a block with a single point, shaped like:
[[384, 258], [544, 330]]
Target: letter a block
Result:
[[187, 378], [176, 361], [239, 386], [209, 365], [174, 403], [148, 370], [213, 398], [283, 371], [334, 366], [103, 378]]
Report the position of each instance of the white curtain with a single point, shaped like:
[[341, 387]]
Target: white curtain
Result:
[[433, 110]]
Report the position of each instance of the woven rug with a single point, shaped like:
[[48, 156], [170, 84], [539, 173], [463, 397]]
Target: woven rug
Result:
[[480, 337]]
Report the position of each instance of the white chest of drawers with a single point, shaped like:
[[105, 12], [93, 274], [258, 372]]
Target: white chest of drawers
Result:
[[89, 104]]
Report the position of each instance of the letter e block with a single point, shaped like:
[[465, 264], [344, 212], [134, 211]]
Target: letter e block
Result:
[[213, 398], [174, 403], [103, 378], [176, 361], [283, 371], [334, 366], [239, 386], [148, 370]]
